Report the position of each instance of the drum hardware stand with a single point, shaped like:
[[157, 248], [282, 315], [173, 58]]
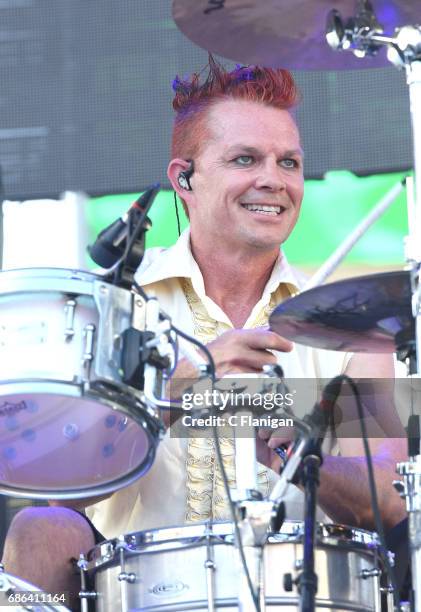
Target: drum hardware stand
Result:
[[410, 490], [303, 464], [363, 36], [147, 350], [404, 51], [307, 579], [210, 570], [84, 594], [254, 519], [255, 516]]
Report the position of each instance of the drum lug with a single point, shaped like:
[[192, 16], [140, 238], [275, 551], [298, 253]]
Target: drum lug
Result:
[[69, 309], [370, 573], [139, 313], [88, 354], [125, 577], [88, 594]]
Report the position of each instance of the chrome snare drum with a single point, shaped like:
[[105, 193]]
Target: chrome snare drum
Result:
[[196, 568], [69, 426]]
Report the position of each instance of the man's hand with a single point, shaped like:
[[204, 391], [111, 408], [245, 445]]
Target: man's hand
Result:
[[267, 439], [344, 493], [246, 350], [234, 351], [239, 350]]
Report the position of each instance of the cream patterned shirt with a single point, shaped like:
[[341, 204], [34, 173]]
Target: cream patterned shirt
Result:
[[184, 484]]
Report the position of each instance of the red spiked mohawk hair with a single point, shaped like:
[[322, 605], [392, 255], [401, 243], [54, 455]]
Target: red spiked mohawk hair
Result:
[[193, 99]]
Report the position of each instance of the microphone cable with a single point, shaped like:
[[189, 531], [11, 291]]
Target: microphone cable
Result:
[[373, 493]]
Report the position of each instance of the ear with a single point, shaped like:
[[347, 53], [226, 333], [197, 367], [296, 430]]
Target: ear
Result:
[[174, 168]]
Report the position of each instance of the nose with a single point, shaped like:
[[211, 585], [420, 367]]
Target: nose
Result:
[[270, 177]]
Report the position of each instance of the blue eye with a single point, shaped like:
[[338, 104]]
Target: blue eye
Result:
[[289, 163], [244, 160]]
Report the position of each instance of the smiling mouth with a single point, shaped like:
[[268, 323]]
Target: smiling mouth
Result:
[[263, 209]]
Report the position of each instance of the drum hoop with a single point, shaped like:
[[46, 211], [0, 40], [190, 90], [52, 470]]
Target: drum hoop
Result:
[[189, 536], [30, 280], [172, 538], [143, 416], [328, 533], [103, 392]]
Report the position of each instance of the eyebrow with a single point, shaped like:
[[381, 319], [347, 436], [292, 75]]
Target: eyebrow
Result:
[[254, 151]]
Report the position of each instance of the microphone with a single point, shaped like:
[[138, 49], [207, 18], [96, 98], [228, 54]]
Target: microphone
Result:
[[317, 422], [319, 417], [110, 244]]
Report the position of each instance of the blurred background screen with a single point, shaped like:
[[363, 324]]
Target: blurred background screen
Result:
[[85, 100]]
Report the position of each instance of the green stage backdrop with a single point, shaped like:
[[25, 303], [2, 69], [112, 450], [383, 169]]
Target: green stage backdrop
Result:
[[331, 209]]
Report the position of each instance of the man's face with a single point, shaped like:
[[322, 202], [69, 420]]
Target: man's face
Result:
[[248, 180]]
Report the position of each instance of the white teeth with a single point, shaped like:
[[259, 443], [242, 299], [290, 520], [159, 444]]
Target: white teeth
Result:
[[271, 210]]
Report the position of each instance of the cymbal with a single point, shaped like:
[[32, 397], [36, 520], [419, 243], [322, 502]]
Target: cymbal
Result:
[[284, 33], [366, 314]]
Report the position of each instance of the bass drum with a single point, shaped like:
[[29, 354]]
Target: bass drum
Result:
[[196, 567]]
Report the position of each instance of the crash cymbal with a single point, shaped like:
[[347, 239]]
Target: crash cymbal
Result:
[[367, 314], [284, 33]]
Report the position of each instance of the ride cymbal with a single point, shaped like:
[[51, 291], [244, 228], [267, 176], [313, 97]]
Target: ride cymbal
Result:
[[367, 314], [284, 33]]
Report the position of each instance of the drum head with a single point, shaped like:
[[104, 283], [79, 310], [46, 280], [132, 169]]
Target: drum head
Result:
[[54, 444]]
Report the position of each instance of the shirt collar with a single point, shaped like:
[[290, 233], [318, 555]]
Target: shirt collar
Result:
[[177, 261], [160, 263]]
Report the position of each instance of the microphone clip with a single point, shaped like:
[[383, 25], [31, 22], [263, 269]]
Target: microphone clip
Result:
[[120, 246]]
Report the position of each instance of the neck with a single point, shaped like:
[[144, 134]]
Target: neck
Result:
[[234, 280]]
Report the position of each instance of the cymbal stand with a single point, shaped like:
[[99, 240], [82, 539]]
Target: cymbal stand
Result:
[[303, 463], [410, 490], [363, 36]]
